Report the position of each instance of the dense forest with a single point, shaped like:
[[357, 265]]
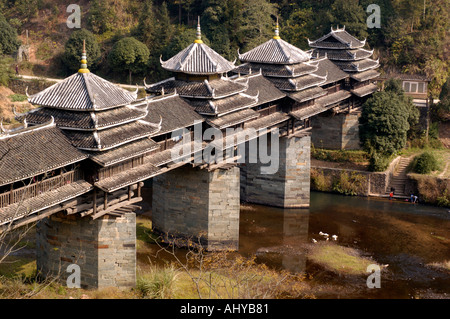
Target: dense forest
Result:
[[127, 38]]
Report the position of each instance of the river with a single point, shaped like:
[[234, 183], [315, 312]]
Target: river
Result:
[[405, 237]]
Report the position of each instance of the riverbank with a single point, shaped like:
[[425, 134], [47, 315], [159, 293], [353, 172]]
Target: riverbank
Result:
[[353, 178]]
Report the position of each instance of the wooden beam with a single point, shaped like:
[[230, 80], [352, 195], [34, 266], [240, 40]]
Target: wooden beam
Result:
[[114, 207]]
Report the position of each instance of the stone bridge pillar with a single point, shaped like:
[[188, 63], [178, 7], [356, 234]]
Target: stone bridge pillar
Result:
[[197, 204], [289, 186], [336, 132], [104, 249]]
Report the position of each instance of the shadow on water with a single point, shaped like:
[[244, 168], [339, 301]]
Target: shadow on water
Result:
[[407, 237]]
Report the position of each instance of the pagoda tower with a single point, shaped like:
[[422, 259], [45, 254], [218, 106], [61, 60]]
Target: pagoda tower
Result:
[[348, 53], [200, 77], [289, 68], [98, 233]]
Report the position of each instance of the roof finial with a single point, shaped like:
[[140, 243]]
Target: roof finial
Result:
[[277, 31], [83, 68], [199, 32]]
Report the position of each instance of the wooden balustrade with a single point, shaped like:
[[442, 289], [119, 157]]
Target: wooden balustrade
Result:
[[37, 188]]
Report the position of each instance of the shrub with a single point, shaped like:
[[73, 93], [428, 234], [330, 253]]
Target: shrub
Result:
[[352, 184], [319, 182], [425, 163]]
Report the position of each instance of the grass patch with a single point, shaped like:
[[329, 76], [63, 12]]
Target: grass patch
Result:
[[339, 259], [17, 97], [341, 156]]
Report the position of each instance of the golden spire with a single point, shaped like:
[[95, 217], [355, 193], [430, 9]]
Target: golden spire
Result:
[[199, 32], [277, 31], [83, 68]]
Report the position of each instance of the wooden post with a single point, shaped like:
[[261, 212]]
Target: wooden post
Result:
[[129, 192], [105, 200], [11, 195], [139, 189], [94, 207]]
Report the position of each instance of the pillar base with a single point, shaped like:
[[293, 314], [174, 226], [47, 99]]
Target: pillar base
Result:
[[198, 205], [289, 186], [104, 249]]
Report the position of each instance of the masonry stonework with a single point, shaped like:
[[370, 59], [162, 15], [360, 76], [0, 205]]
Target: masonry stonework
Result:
[[104, 249], [196, 204], [336, 131], [289, 187]]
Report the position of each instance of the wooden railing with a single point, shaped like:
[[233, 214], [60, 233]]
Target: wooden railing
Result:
[[37, 188]]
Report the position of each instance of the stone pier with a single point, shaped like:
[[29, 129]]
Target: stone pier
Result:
[[197, 204], [104, 249], [338, 132], [288, 187]]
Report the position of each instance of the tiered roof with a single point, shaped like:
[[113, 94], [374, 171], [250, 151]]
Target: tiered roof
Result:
[[344, 50], [211, 94], [95, 115], [289, 68]]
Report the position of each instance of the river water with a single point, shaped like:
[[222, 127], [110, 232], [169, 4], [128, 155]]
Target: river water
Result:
[[405, 237]]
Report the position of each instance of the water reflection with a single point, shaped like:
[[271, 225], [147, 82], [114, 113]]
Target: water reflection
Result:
[[275, 235]]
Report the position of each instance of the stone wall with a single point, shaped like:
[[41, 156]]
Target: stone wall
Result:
[[356, 182], [104, 249], [34, 86], [336, 131], [197, 204], [289, 186]]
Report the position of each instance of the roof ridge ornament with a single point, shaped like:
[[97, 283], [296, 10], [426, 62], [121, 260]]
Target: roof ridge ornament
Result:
[[199, 32], [83, 67], [277, 31]]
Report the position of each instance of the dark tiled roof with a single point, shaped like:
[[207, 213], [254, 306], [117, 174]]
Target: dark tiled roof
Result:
[[233, 118], [34, 151], [86, 120], [46, 200], [275, 51], [225, 105], [357, 66], [198, 58], [308, 94], [365, 90], [110, 138], [277, 70], [83, 92], [299, 83], [333, 98], [330, 70], [128, 177], [124, 152], [262, 87], [175, 112], [343, 55], [365, 75], [203, 89], [267, 121], [337, 39]]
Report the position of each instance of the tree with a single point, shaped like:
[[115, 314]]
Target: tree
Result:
[[74, 46], [101, 17], [352, 15], [129, 54], [384, 124], [9, 43], [5, 70], [257, 24]]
